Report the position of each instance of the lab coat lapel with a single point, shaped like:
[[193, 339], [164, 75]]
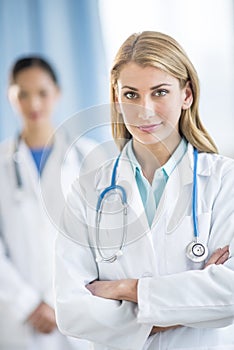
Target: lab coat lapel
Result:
[[139, 231], [52, 193], [181, 176], [27, 169], [178, 191], [52, 169], [125, 177]]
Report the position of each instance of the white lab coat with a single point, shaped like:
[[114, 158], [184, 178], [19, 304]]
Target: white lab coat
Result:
[[27, 233], [172, 290]]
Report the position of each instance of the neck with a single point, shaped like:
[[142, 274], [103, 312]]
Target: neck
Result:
[[37, 138], [153, 156]]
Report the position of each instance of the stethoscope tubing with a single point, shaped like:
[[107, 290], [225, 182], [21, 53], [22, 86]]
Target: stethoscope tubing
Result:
[[15, 157], [103, 195], [194, 202], [195, 251]]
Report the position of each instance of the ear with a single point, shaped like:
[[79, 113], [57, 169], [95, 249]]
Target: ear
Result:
[[12, 95], [188, 96]]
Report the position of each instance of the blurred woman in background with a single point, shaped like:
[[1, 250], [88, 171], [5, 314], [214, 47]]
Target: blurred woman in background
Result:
[[34, 156]]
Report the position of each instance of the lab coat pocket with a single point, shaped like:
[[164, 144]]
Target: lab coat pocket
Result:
[[185, 227], [204, 225]]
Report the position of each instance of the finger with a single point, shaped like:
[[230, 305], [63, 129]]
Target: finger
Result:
[[40, 321], [90, 287], [157, 329], [36, 315], [37, 322], [45, 325], [46, 328], [225, 249], [214, 257], [217, 255], [222, 259], [34, 320]]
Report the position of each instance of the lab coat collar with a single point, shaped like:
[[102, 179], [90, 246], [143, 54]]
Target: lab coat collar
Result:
[[181, 176], [124, 171], [185, 168], [52, 167], [204, 163], [178, 192], [28, 170], [124, 177]]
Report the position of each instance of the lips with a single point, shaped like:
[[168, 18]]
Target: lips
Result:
[[34, 115], [150, 128]]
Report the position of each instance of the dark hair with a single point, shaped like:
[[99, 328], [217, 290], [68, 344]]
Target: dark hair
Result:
[[32, 61]]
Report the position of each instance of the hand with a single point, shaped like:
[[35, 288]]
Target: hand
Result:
[[125, 289], [220, 256], [104, 289], [43, 319], [157, 329]]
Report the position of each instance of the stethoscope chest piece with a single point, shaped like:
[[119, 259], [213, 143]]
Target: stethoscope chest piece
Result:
[[196, 252]]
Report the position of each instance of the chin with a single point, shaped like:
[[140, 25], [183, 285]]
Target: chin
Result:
[[149, 139], [38, 122]]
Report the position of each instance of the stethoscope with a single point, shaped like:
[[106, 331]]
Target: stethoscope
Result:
[[16, 164], [17, 159], [195, 251], [120, 191]]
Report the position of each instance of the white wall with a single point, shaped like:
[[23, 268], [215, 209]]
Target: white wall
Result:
[[205, 28]]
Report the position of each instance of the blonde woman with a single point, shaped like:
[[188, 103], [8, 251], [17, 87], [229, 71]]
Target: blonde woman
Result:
[[146, 246]]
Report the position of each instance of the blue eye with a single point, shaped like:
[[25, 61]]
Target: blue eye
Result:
[[162, 92], [131, 95]]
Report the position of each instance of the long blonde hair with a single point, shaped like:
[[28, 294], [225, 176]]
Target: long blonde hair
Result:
[[161, 51]]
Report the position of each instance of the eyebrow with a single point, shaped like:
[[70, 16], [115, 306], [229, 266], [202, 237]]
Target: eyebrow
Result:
[[152, 88]]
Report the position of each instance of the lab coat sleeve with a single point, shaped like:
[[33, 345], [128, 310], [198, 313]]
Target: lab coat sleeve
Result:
[[14, 291], [197, 298], [78, 312]]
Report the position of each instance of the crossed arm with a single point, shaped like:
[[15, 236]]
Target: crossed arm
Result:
[[126, 289]]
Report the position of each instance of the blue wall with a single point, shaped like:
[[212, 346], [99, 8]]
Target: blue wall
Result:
[[68, 34]]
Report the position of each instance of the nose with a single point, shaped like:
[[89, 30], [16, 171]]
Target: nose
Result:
[[146, 108], [34, 103]]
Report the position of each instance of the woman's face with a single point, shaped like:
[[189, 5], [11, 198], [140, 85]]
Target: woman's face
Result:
[[151, 101], [34, 95]]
